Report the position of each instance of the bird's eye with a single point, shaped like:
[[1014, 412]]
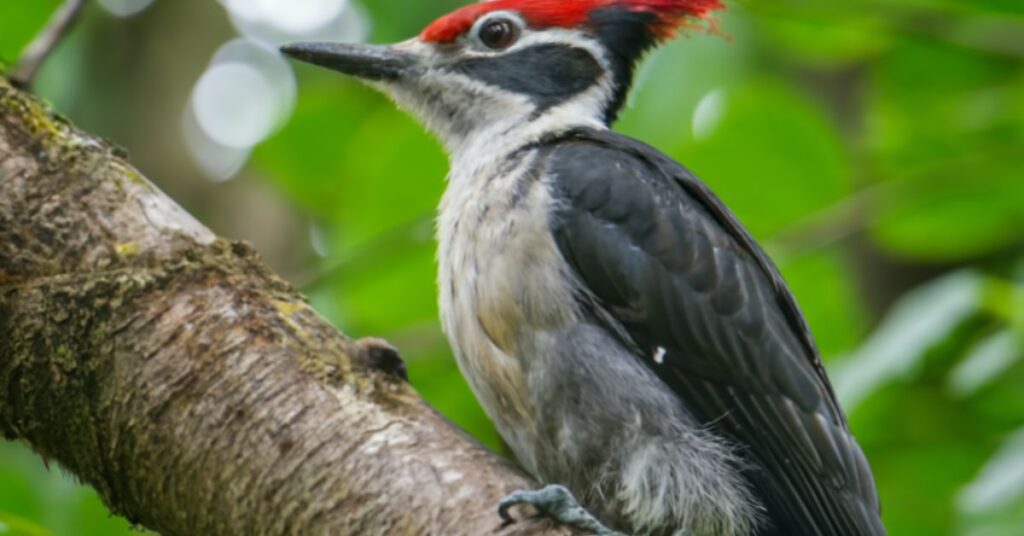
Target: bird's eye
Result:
[[498, 33]]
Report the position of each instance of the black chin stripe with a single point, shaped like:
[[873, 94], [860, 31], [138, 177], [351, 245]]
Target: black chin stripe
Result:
[[549, 73]]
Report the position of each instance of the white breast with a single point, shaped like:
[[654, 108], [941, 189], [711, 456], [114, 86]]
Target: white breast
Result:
[[501, 282]]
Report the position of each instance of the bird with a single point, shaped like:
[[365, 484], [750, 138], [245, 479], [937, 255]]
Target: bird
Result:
[[636, 349]]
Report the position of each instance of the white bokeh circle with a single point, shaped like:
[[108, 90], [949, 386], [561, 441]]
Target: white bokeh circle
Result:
[[125, 8], [234, 104]]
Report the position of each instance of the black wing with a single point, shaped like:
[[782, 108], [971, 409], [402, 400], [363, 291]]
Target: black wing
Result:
[[668, 268]]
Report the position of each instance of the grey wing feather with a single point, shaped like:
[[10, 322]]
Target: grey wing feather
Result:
[[663, 264]]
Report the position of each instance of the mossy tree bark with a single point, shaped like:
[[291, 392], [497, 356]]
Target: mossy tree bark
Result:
[[197, 392]]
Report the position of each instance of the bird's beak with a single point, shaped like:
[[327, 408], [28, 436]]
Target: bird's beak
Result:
[[376, 63]]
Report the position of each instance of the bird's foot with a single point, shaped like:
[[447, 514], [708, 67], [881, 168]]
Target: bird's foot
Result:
[[557, 503]]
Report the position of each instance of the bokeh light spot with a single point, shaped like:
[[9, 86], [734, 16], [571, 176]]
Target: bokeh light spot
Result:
[[125, 8], [708, 114], [234, 104], [276, 22], [301, 15]]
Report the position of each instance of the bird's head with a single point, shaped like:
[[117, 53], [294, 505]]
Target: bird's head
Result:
[[529, 66]]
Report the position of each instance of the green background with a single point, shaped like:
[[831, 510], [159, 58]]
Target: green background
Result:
[[875, 147]]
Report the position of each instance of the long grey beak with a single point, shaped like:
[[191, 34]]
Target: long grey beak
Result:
[[369, 62]]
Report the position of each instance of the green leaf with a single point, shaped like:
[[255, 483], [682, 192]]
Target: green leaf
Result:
[[986, 362], [20, 20], [772, 157], [353, 161], [11, 525], [1000, 483], [954, 214], [915, 323], [824, 288], [811, 39], [936, 104]]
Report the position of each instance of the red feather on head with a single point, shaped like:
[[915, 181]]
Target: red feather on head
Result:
[[671, 14]]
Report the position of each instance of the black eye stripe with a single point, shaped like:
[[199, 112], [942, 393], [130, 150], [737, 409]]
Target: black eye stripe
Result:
[[547, 73]]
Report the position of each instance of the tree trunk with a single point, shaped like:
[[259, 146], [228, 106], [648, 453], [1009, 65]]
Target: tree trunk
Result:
[[196, 391]]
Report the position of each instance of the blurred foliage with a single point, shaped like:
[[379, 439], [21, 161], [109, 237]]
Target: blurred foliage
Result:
[[20, 20], [876, 147]]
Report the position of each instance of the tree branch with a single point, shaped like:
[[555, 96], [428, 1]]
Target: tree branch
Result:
[[197, 392]]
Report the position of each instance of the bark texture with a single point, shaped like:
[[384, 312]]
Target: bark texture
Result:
[[196, 391]]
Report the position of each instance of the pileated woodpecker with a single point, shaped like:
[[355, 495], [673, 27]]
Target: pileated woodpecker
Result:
[[629, 338]]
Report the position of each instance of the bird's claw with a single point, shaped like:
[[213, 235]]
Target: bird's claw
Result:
[[557, 503]]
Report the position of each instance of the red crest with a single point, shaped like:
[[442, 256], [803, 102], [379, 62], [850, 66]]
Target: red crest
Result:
[[671, 14]]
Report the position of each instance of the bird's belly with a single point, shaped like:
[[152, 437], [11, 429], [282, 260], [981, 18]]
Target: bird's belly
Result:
[[502, 282], [571, 402], [499, 300]]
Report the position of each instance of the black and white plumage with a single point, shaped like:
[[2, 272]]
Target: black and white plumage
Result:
[[663, 264], [627, 336]]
